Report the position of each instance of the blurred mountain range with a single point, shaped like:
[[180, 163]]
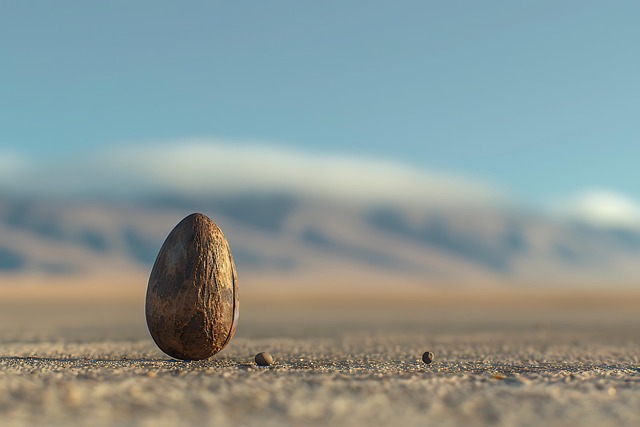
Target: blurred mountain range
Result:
[[279, 234]]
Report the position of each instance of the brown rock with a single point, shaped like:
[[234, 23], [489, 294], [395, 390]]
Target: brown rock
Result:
[[263, 359], [192, 297]]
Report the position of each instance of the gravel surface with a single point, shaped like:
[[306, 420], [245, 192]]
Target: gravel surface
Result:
[[528, 378]]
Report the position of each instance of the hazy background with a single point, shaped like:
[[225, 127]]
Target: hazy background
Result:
[[355, 146]]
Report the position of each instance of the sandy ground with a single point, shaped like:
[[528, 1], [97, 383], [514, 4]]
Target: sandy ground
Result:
[[93, 363]]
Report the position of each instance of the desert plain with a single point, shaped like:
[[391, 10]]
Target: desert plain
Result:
[[529, 358]]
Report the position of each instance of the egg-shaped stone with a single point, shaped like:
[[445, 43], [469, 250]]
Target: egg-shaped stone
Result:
[[192, 297]]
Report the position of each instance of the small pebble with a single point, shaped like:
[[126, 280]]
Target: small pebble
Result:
[[264, 359], [427, 357]]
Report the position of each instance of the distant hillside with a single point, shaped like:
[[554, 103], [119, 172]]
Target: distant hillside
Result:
[[282, 234]]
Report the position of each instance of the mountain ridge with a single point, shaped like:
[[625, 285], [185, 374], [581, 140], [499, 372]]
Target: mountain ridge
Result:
[[283, 234]]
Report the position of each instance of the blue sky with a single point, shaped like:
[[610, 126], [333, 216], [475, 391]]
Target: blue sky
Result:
[[542, 97]]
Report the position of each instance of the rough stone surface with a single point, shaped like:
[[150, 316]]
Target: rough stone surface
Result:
[[478, 379], [192, 296], [87, 365]]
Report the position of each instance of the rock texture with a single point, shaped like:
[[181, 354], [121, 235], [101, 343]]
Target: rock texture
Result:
[[192, 296]]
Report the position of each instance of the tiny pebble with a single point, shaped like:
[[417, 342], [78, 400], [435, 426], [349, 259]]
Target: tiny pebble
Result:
[[427, 357], [264, 359]]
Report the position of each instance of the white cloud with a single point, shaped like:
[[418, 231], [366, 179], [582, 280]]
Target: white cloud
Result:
[[602, 208], [201, 167]]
